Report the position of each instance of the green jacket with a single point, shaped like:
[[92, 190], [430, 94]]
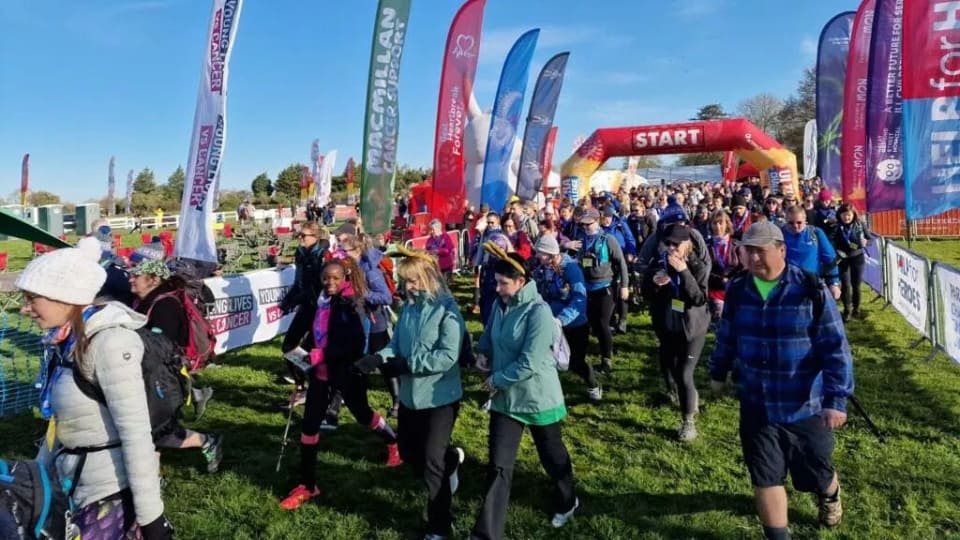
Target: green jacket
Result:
[[428, 334], [517, 342]]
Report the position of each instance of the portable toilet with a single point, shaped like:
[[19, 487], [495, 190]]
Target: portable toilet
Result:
[[13, 210], [50, 218], [86, 214], [30, 214]]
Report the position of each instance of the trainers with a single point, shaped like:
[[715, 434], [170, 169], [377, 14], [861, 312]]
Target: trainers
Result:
[[455, 476], [476, 309], [831, 511], [687, 431], [298, 496], [604, 366], [393, 456], [213, 452], [595, 394], [201, 396], [434, 537], [330, 423], [559, 520]]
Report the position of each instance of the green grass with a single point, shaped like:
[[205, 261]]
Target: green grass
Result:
[[634, 479], [947, 251]]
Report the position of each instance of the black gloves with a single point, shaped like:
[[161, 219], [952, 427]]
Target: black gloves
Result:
[[368, 364], [395, 366], [158, 529]]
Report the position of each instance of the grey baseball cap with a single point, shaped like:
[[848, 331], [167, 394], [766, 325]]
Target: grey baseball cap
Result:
[[762, 233]]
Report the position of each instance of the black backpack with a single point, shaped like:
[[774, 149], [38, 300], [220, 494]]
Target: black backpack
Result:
[[32, 502], [165, 379]]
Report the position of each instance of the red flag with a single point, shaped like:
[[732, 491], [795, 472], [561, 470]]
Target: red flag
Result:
[[456, 80], [730, 162], [548, 158], [853, 142], [24, 179]]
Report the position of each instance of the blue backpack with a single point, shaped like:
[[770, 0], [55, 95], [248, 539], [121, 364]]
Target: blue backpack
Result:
[[33, 504]]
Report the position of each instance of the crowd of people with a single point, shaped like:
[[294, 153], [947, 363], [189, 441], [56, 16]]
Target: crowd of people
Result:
[[763, 271]]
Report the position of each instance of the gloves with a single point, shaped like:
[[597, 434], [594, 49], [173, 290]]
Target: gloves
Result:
[[158, 529], [368, 364], [395, 366]]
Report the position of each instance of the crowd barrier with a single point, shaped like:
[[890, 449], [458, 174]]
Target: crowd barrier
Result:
[[456, 237], [894, 223]]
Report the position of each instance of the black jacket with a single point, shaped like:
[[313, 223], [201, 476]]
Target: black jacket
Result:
[[691, 289], [306, 282], [345, 331], [165, 313]]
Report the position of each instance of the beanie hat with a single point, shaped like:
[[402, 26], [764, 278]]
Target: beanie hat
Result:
[[68, 275], [738, 200], [547, 244], [672, 214], [825, 195]]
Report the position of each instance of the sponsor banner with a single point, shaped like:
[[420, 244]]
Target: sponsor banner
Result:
[[884, 167], [809, 149], [350, 173], [196, 239], [381, 128], [246, 308], [687, 173], [873, 265], [126, 209], [543, 106], [730, 164], [316, 160], [547, 166], [853, 161], [24, 180], [831, 73], [326, 178], [111, 185], [931, 100], [908, 291], [947, 285], [446, 201], [504, 121]]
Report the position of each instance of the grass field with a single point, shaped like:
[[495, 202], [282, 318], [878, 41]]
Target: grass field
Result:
[[634, 479]]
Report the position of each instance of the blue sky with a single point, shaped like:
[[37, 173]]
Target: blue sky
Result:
[[84, 80]]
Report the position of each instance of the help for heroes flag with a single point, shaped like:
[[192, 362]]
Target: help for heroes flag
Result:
[[196, 240]]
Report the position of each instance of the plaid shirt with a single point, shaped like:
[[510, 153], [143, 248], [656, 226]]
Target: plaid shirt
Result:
[[790, 365]]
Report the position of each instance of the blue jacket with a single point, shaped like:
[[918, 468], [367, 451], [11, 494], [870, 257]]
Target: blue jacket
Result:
[[791, 364], [619, 230], [564, 291], [816, 256], [378, 297]]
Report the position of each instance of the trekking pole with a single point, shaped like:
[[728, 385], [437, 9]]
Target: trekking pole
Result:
[[286, 431], [873, 427]]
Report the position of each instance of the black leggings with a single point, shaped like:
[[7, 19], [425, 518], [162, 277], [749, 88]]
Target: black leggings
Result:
[[851, 277], [678, 360], [424, 440], [577, 338], [351, 384], [599, 309]]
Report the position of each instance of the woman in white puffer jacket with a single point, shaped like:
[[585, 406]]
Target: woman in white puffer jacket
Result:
[[117, 491]]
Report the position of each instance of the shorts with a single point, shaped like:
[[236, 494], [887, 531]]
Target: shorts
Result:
[[804, 449]]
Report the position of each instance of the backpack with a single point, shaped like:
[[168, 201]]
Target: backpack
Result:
[[560, 348], [165, 379], [386, 266], [201, 341], [810, 281], [33, 504]]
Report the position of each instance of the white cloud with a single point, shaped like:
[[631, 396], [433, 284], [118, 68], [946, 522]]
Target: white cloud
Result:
[[496, 43], [698, 8], [808, 46]]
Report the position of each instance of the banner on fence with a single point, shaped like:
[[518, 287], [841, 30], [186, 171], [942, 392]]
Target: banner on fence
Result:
[[908, 275], [947, 282], [873, 267], [246, 307]]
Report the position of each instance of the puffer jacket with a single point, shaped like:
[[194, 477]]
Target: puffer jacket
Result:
[[428, 336], [306, 281], [113, 363], [378, 297]]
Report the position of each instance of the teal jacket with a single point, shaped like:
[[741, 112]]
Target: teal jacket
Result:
[[427, 335], [517, 342]]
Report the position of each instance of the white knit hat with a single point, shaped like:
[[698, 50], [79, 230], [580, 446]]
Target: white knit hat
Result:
[[68, 275]]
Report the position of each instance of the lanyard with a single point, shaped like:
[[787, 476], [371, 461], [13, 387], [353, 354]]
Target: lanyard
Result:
[[720, 254], [56, 357], [738, 223], [846, 232]]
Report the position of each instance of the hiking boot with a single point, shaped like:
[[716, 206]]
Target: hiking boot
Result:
[[200, 396], [298, 496], [329, 423], [687, 431], [831, 511], [559, 520], [595, 394], [393, 456], [212, 451], [604, 366]]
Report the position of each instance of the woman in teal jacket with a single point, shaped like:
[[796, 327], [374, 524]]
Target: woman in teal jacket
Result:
[[525, 391], [423, 353]]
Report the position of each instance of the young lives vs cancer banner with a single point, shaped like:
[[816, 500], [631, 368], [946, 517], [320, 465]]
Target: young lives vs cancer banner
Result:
[[246, 309], [196, 240]]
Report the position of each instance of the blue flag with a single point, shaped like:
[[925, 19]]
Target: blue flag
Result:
[[542, 108]]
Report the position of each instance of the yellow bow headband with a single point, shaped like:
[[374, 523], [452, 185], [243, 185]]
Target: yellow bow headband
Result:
[[498, 252]]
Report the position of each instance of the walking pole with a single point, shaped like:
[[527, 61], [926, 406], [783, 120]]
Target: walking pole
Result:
[[286, 431], [873, 427]]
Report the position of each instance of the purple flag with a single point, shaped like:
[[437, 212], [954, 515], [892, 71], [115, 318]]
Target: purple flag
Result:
[[885, 110]]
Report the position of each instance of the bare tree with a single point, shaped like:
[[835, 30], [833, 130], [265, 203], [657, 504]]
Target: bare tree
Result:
[[762, 110]]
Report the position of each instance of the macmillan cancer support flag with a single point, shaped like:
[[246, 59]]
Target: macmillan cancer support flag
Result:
[[504, 120], [126, 208], [543, 106], [931, 106], [831, 71], [884, 167], [195, 239], [350, 174], [325, 181], [456, 79], [382, 117], [810, 149], [24, 179], [111, 186], [853, 162]]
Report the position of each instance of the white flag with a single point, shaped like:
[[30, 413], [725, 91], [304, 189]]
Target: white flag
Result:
[[195, 239], [326, 178], [810, 149]]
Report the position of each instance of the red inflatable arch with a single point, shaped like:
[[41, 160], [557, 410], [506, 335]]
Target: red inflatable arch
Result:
[[777, 165]]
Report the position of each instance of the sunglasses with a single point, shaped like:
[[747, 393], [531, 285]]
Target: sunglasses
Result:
[[670, 244], [304, 235], [796, 222]]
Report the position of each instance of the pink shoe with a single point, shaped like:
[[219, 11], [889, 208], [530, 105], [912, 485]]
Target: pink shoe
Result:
[[298, 496], [393, 456]]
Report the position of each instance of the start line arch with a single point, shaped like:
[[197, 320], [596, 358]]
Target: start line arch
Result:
[[777, 165]]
